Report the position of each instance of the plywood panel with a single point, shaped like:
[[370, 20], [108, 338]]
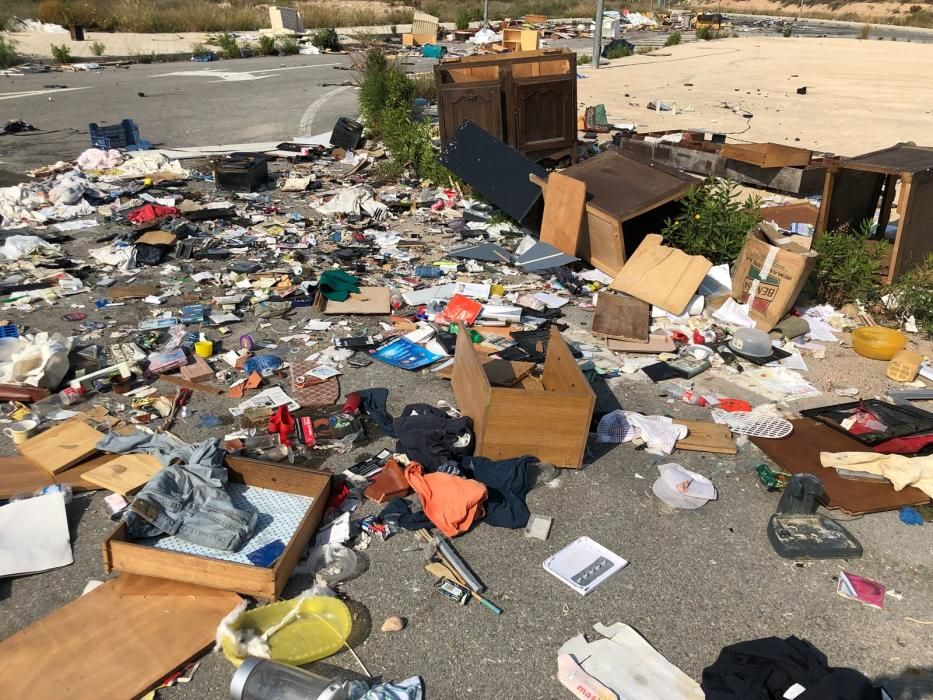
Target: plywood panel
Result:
[[62, 445], [564, 203], [622, 317], [115, 642], [124, 474], [767, 155], [799, 453], [707, 437]]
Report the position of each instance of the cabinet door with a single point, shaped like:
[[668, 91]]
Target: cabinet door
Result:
[[544, 113], [480, 103]]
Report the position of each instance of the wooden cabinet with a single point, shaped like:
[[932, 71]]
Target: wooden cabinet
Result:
[[526, 99]]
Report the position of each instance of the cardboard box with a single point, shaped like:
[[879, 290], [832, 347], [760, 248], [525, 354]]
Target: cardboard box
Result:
[[549, 419], [122, 554], [369, 300], [771, 270]]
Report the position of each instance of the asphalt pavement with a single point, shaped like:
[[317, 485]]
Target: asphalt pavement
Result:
[[697, 580]]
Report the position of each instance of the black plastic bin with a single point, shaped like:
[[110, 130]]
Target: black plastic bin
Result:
[[347, 134]]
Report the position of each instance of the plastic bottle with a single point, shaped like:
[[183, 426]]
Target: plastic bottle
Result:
[[70, 395], [64, 489], [685, 395], [428, 271]]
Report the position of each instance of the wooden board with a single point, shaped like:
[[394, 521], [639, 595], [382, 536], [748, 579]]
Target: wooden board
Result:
[[799, 453], [498, 372], [564, 203], [115, 642], [656, 343], [124, 474], [622, 317], [62, 445], [767, 155], [707, 437], [19, 475]]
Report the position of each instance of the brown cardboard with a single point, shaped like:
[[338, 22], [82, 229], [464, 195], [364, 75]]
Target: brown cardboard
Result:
[[772, 275], [622, 317], [369, 300], [662, 276], [157, 238]]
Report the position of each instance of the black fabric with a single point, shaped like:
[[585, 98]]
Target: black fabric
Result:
[[373, 402], [507, 484], [400, 511], [427, 435], [763, 669]]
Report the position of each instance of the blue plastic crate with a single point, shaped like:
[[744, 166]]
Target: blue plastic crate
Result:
[[123, 135], [9, 331]]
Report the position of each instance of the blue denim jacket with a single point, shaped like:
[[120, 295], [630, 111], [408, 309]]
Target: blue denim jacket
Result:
[[186, 498]]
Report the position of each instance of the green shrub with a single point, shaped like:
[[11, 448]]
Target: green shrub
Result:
[[713, 223], [470, 14], [673, 39], [266, 45], [912, 295], [385, 98], [147, 58], [848, 265], [199, 50], [8, 55], [228, 45], [97, 49], [619, 52], [584, 59], [708, 34], [288, 45], [61, 53], [326, 40], [788, 31]]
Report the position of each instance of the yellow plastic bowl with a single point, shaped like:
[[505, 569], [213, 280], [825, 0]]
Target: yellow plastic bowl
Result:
[[321, 630], [877, 342]]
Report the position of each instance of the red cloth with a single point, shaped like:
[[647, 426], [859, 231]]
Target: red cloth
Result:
[[150, 212], [909, 445], [451, 502]]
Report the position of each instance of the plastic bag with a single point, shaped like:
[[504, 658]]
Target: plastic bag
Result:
[[39, 361]]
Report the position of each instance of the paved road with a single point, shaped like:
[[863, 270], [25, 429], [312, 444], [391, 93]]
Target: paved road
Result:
[[828, 28], [184, 104]]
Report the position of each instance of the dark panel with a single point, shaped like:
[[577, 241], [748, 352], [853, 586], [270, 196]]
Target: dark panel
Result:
[[854, 198], [544, 114], [896, 159], [494, 169]]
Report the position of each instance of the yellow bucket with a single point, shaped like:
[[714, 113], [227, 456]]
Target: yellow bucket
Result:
[[321, 629]]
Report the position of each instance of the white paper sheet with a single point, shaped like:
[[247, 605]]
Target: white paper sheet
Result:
[[34, 536]]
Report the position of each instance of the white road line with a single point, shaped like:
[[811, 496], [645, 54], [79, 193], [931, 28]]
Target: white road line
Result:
[[307, 120], [238, 76], [33, 93]]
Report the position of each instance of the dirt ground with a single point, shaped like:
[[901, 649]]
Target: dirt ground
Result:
[[861, 95]]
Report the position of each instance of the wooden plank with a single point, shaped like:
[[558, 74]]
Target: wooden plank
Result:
[[124, 474], [914, 240], [799, 453], [19, 475], [470, 385], [622, 317], [563, 212], [707, 437], [767, 155], [115, 642], [498, 372], [561, 371], [62, 445]]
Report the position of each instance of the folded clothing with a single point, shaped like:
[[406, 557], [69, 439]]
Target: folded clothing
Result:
[[451, 502]]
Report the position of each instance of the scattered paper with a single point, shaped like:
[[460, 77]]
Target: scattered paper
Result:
[[34, 535]]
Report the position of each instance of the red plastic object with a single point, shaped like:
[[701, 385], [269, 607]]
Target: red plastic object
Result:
[[734, 405], [352, 404], [283, 424]]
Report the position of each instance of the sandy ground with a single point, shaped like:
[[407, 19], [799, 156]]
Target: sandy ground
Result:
[[861, 95]]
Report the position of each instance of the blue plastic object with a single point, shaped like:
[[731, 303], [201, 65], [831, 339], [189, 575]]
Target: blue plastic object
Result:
[[428, 271], [9, 331], [910, 516], [123, 135], [433, 51], [262, 363]]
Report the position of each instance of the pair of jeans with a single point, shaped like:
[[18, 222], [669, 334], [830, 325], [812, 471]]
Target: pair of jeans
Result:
[[187, 497]]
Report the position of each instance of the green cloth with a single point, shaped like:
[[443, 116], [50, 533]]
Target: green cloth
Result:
[[336, 285]]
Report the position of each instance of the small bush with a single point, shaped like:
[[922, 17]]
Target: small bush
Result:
[[8, 55], [228, 45], [471, 14], [708, 34], [288, 45], [425, 86], [147, 58], [584, 59], [326, 40], [788, 31], [97, 49], [619, 52], [713, 223], [266, 45], [912, 295], [847, 265], [673, 39], [865, 32], [61, 53], [200, 50]]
